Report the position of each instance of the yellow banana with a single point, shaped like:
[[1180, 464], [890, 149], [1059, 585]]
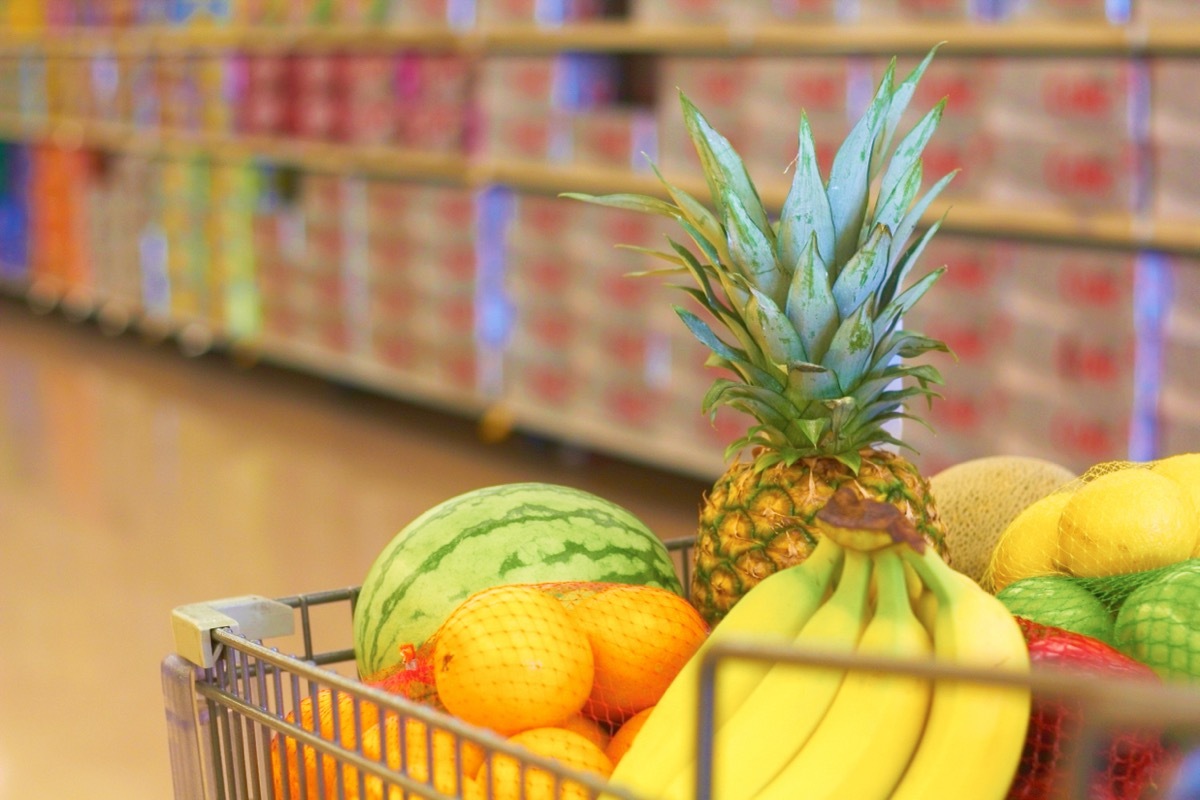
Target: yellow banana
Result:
[[773, 612], [975, 732], [786, 706], [867, 738]]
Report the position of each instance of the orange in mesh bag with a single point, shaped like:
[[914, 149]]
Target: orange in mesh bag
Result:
[[511, 658]]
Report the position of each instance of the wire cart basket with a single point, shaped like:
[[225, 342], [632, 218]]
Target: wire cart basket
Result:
[[231, 705]]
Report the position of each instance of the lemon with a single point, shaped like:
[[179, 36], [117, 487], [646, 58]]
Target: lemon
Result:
[[1184, 469], [1029, 545], [1127, 521]]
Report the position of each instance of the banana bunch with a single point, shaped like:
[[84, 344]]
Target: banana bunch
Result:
[[783, 731]]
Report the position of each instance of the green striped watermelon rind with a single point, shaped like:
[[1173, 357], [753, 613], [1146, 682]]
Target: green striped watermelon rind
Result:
[[511, 533]]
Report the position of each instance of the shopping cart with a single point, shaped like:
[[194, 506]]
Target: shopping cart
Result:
[[228, 697]]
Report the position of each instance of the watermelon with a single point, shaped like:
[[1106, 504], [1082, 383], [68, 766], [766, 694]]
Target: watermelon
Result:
[[511, 533]]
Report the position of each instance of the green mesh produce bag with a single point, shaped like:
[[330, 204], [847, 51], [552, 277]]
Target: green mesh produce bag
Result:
[[1112, 556], [1152, 616]]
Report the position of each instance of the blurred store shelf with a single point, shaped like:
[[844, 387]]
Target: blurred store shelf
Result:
[[1079, 38]]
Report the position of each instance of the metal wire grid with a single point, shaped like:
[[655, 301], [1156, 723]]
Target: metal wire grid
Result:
[[1113, 707], [223, 720], [228, 724]]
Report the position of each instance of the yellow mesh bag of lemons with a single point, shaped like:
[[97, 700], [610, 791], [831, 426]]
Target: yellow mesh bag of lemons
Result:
[[1114, 554]]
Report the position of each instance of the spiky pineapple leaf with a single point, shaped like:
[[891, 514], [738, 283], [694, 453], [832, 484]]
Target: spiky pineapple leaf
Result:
[[864, 274], [890, 317], [849, 183], [705, 335], [878, 435], [899, 273], [876, 385], [900, 99], [806, 211], [890, 401], [890, 211], [842, 411], [706, 247], [851, 458], [764, 405], [751, 251], [744, 363], [699, 216], [767, 460], [757, 437], [768, 323], [628, 202], [723, 167], [812, 429], [711, 305], [812, 382], [906, 344], [810, 305], [910, 221], [850, 351], [908, 154], [700, 273]]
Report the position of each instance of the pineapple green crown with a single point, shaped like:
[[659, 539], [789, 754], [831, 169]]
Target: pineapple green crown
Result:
[[813, 301]]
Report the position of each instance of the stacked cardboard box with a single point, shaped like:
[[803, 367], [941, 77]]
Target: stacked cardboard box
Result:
[[432, 102], [421, 281], [235, 306], [261, 105], [1179, 418], [58, 218], [1174, 120], [583, 340], [1064, 134], [185, 217], [1044, 345], [1165, 10], [132, 214], [1071, 367], [965, 309], [562, 109]]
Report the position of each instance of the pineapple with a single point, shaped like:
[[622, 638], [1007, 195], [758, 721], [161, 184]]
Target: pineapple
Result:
[[809, 310]]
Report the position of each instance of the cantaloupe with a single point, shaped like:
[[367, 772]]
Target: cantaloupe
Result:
[[977, 499]]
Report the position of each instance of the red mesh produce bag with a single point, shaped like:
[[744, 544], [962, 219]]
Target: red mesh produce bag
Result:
[[517, 657], [1133, 761]]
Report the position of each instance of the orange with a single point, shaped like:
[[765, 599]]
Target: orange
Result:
[[587, 727], [323, 725], [452, 765], [641, 636], [623, 738], [570, 749], [510, 658]]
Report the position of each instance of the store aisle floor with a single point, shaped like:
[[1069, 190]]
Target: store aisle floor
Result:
[[133, 480]]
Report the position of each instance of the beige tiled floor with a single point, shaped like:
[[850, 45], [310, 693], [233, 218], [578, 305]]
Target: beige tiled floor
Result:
[[133, 480]]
